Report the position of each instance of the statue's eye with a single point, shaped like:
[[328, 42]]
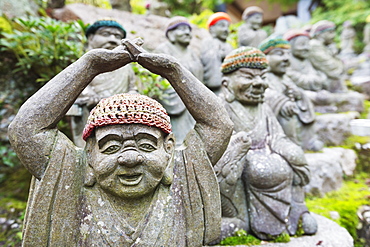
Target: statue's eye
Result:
[[147, 147], [111, 149]]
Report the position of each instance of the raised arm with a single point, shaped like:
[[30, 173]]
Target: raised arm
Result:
[[33, 131], [212, 121]]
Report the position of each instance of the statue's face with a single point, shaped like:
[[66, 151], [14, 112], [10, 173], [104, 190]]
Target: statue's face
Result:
[[247, 85], [105, 37], [129, 160], [278, 60], [181, 35], [300, 47], [255, 20], [220, 30]]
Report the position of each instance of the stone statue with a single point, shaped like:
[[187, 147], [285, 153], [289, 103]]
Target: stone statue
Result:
[[215, 49], [324, 57], [366, 38], [292, 107], [262, 172], [107, 34], [129, 186], [314, 81], [178, 33], [250, 32], [347, 40]]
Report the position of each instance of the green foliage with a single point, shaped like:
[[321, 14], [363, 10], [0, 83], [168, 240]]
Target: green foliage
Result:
[[345, 201], [241, 238], [138, 7], [43, 46], [201, 19], [104, 4], [189, 7], [5, 26], [339, 11], [150, 84]]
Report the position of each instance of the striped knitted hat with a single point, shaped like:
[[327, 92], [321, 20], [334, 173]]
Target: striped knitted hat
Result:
[[213, 19], [177, 21], [251, 11], [106, 22], [291, 34], [244, 57], [127, 109], [269, 44], [321, 26]]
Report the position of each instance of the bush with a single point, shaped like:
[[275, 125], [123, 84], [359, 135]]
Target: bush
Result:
[[43, 46]]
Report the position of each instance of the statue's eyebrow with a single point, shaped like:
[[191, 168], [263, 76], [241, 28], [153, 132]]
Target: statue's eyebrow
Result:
[[141, 135], [108, 137]]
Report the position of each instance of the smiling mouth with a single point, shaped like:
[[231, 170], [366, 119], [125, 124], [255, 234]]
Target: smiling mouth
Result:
[[130, 180]]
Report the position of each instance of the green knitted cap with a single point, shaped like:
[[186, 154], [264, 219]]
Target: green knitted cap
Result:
[[106, 22], [244, 57], [269, 44]]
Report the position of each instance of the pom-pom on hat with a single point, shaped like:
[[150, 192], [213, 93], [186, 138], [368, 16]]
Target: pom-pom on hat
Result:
[[177, 21], [321, 26], [127, 109], [106, 22], [213, 19], [251, 11], [291, 34], [244, 57], [269, 44]]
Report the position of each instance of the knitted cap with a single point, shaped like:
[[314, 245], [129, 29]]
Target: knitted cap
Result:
[[269, 44], [106, 22], [291, 34], [213, 19], [321, 26], [127, 109], [244, 57], [177, 21], [250, 11]]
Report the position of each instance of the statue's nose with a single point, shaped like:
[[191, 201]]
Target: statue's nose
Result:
[[130, 158]]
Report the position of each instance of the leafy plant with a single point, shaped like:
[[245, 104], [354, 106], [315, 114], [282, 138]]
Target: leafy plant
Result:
[[43, 46], [241, 237], [104, 4], [150, 84]]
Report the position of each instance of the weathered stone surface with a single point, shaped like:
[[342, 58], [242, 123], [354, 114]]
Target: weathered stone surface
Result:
[[329, 234], [327, 169], [18, 8], [334, 128], [151, 28]]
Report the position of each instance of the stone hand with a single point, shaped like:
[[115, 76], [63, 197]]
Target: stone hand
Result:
[[104, 60], [289, 109], [234, 157]]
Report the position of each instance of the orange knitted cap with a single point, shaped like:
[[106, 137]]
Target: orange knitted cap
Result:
[[213, 19], [127, 109]]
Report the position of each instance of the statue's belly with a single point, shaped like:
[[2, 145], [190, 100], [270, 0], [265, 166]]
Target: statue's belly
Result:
[[266, 170]]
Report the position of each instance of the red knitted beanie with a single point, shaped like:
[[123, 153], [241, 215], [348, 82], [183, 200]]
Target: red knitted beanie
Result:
[[127, 109]]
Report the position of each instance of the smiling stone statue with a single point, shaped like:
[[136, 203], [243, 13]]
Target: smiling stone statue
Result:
[[129, 186]]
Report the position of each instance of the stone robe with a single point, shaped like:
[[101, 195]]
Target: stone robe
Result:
[[264, 196], [64, 211], [250, 37], [316, 86], [326, 61], [299, 127], [181, 120], [212, 55]]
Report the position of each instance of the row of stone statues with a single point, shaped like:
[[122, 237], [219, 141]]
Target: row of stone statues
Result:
[[143, 179]]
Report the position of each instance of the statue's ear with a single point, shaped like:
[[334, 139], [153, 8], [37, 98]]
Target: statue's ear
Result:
[[171, 36], [169, 143], [226, 90], [90, 179]]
